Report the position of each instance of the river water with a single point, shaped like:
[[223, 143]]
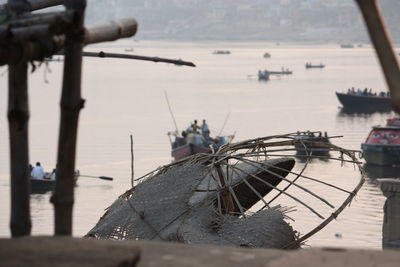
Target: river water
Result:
[[126, 97]]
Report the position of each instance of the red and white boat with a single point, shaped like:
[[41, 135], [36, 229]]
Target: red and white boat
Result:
[[382, 146], [184, 147]]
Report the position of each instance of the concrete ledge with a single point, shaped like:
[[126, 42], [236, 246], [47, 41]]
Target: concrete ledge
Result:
[[63, 251]]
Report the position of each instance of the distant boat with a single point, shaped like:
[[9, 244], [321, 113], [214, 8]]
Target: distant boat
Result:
[[267, 55], [312, 142], [264, 75], [189, 144], [364, 102], [382, 146], [347, 45], [46, 184], [221, 52], [311, 66], [42, 185], [130, 49], [282, 72]]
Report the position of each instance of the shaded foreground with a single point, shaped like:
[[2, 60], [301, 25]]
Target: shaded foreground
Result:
[[64, 251]]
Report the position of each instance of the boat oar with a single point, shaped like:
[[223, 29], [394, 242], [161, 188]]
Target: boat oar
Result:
[[98, 177]]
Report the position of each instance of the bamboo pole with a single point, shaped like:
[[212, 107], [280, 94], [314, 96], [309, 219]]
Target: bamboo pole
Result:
[[137, 57], [132, 158], [71, 103], [111, 31], [33, 5], [38, 50], [40, 4], [382, 43], [227, 201], [18, 117]]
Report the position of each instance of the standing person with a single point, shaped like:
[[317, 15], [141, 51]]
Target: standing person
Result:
[[195, 127], [37, 172], [205, 131]]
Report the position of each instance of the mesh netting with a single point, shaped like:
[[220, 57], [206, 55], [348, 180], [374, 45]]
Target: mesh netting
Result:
[[230, 197]]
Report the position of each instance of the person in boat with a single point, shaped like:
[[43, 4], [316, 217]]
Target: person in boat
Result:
[[193, 128], [180, 141], [196, 139], [205, 131], [53, 175], [37, 172]]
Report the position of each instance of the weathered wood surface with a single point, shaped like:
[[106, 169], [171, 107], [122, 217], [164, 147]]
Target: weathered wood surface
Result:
[[63, 251], [22, 28], [33, 5], [111, 31], [12, 53], [71, 104], [18, 117]]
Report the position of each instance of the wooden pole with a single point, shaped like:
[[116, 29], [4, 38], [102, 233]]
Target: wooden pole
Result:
[[71, 103], [33, 5], [132, 158], [382, 43], [227, 201], [40, 4], [18, 117]]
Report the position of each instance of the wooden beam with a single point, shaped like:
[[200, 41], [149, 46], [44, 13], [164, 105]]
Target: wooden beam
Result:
[[18, 117], [111, 31], [32, 5], [71, 104], [56, 23], [383, 46], [40, 4], [12, 53]]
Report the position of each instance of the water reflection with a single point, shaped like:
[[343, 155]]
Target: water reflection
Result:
[[361, 112]]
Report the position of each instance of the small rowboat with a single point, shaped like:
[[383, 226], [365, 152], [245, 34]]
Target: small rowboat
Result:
[[40, 186]]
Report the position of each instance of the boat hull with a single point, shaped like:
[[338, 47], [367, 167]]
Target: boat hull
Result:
[[380, 154], [42, 185], [360, 102], [188, 150], [314, 145]]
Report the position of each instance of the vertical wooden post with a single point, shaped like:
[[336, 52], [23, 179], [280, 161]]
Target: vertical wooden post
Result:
[[227, 200], [18, 117], [71, 103]]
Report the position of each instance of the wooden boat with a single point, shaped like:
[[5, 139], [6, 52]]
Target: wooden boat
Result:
[[382, 146], [282, 72], [312, 142], [42, 185], [46, 184], [188, 150], [264, 75], [182, 150], [367, 102], [221, 52], [311, 66], [347, 45]]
